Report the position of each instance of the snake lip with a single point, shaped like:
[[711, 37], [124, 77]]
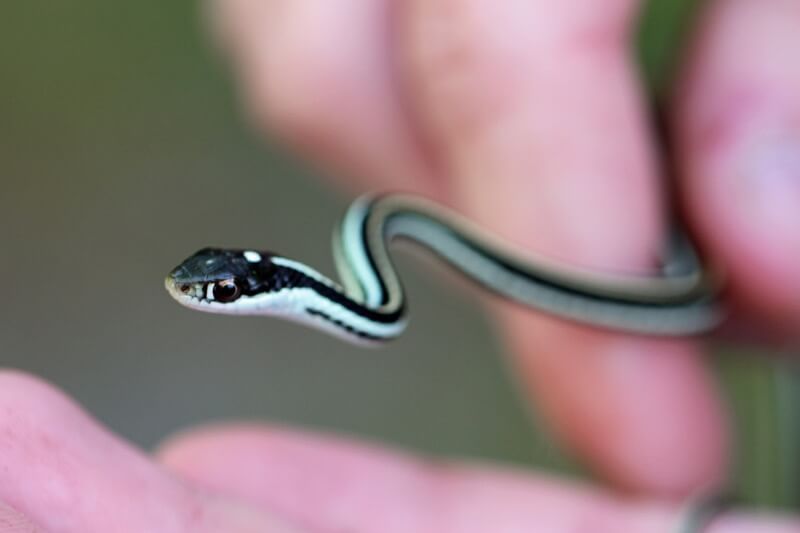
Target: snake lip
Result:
[[172, 287], [181, 290]]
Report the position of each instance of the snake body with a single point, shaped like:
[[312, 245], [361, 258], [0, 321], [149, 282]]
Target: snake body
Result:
[[369, 306]]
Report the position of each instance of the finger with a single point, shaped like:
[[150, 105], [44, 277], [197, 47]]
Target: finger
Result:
[[320, 74], [540, 121], [331, 485], [738, 124], [64, 473]]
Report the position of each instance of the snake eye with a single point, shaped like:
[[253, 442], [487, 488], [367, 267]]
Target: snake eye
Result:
[[226, 291]]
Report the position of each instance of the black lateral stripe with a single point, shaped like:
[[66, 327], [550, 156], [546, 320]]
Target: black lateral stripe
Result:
[[368, 251], [289, 277], [349, 304], [526, 274], [346, 327]]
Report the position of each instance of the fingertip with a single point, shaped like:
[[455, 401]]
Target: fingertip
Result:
[[197, 446], [738, 125], [752, 522]]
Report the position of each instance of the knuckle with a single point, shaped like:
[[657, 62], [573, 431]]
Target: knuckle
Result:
[[301, 100], [460, 75], [471, 68]]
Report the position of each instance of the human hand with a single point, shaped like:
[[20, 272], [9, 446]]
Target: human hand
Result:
[[529, 120], [62, 473], [529, 117]]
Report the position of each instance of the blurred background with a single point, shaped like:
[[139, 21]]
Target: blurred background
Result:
[[122, 150]]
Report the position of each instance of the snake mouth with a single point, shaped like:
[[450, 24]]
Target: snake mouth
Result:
[[185, 292]]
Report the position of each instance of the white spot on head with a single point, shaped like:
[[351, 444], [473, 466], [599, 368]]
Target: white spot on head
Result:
[[210, 291], [252, 257]]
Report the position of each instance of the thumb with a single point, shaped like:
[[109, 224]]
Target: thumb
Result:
[[63, 472]]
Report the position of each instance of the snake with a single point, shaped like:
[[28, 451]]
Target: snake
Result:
[[680, 297]]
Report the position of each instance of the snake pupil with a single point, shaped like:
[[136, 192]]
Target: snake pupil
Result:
[[226, 291]]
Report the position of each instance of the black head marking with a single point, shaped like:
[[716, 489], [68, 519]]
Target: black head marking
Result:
[[212, 265]]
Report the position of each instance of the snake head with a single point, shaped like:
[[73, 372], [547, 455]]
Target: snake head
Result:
[[214, 278]]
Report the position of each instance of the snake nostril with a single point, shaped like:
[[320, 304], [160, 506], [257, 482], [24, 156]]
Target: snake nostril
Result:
[[185, 287]]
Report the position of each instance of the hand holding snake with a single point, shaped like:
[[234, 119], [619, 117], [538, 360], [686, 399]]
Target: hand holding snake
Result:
[[533, 128]]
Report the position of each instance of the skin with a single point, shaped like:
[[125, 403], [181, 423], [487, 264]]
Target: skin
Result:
[[528, 117]]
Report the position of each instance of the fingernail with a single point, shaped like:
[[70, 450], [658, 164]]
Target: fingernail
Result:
[[739, 522], [12, 521], [769, 182], [751, 208]]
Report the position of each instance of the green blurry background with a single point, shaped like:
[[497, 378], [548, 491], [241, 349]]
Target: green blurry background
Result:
[[122, 150]]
